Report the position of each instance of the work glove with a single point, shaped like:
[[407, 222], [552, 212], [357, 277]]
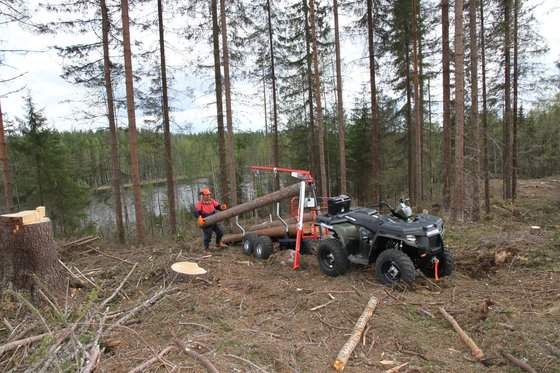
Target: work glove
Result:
[[223, 207], [200, 220]]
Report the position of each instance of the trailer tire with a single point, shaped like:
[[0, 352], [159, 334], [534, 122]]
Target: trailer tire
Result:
[[332, 257], [395, 269], [248, 243], [263, 247], [306, 247]]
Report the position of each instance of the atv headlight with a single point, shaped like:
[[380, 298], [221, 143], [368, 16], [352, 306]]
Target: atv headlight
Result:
[[411, 238]]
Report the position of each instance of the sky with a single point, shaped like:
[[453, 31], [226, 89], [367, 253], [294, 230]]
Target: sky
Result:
[[60, 100]]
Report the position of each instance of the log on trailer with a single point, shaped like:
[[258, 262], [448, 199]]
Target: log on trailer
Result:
[[272, 232], [28, 249], [254, 204], [276, 223]]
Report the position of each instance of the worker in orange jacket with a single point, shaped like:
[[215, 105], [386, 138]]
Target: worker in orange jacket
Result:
[[205, 207]]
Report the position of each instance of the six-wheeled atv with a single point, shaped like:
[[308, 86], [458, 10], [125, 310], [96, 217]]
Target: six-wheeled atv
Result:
[[398, 243]]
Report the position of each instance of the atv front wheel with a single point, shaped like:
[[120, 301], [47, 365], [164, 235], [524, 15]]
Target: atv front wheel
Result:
[[332, 257], [394, 268], [446, 265], [263, 247], [248, 243]]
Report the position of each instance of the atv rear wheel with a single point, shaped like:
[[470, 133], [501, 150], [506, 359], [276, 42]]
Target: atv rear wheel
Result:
[[446, 265], [249, 243], [332, 257], [394, 268], [263, 247]]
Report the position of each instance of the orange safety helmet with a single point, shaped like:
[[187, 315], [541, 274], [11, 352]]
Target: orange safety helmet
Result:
[[205, 192]]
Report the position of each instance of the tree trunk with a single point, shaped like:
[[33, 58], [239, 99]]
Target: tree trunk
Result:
[[219, 101], [132, 135], [457, 203], [275, 134], [507, 153], [251, 205], [475, 146], [28, 249], [375, 156], [485, 166], [410, 129], [446, 188], [312, 156], [5, 167], [418, 187], [166, 128], [322, 164], [339, 105], [516, 6], [115, 166], [232, 197]]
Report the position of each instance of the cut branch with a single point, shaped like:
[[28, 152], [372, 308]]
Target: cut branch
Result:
[[475, 351], [203, 359], [354, 339], [519, 363]]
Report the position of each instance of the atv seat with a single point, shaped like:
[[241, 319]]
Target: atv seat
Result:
[[330, 219]]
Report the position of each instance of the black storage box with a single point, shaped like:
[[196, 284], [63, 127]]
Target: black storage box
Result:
[[339, 204]]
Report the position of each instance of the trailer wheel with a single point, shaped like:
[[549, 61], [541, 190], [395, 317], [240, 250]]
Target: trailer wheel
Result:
[[249, 243], [394, 268], [306, 247], [332, 257], [263, 247]]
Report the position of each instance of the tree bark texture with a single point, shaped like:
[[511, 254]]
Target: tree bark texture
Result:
[[322, 161], [458, 201], [446, 189], [115, 166], [132, 134], [219, 101], [27, 250], [166, 127], [232, 198], [339, 104], [375, 153], [474, 112], [507, 153], [418, 187], [485, 165], [5, 167], [251, 205]]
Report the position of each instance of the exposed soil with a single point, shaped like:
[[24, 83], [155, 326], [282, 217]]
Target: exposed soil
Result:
[[256, 316]]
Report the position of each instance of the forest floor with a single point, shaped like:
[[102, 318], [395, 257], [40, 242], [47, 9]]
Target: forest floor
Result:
[[262, 316]]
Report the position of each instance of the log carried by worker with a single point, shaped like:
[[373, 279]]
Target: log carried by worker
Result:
[[267, 199]]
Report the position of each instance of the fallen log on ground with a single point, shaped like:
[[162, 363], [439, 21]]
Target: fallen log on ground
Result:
[[475, 351], [267, 199], [354, 339]]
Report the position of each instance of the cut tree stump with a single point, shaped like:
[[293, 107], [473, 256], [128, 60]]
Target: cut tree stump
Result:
[[188, 271], [28, 249]]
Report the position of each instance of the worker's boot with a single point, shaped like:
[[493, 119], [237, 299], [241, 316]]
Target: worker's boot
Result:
[[220, 245]]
